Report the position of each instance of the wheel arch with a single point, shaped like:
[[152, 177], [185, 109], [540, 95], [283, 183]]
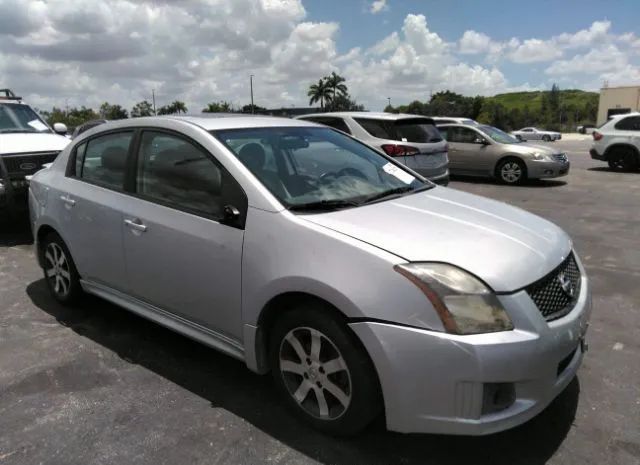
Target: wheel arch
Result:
[[43, 231], [620, 145]]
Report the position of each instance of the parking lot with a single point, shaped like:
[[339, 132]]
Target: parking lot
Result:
[[96, 384]]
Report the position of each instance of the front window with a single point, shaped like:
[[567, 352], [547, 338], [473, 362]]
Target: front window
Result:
[[499, 136], [16, 117], [318, 168]]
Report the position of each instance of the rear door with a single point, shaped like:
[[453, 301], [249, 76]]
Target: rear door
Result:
[[182, 255], [630, 128], [91, 207]]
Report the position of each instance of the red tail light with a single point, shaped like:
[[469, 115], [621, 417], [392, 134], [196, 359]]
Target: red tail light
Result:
[[596, 135], [398, 150]]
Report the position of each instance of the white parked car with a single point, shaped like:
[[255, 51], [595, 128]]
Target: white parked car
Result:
[[26, 144], [532, 133], [618, 142]]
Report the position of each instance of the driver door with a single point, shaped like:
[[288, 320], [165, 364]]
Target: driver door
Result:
[[466, 153]]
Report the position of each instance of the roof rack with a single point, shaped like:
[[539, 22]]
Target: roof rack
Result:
[[8, 95]]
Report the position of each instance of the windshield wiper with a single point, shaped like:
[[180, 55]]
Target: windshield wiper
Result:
[[398, 191], [11, 131], [324, 205]]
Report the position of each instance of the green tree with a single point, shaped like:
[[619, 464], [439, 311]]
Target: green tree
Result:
[[336, 83], [256, 109], [319, 92], [344, 102], [143, 108], [108, 111], [218, 107], [175, 107]]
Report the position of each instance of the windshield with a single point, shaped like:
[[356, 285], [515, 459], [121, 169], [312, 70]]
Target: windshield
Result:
[[499, 136], [16, 117], [318, 168]]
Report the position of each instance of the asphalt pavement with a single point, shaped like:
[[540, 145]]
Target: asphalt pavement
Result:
[[98, 385]]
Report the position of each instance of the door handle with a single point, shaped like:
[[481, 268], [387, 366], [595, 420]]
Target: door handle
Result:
[[135, 224], [69, 201]]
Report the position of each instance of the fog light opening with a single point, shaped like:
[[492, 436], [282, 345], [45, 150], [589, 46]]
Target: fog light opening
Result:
[[548, 171], [497, 397]]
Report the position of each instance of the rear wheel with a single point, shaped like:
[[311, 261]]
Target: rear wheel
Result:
[[60, 272], [623, 159], [512, 171], [546, 138], [323, 372]]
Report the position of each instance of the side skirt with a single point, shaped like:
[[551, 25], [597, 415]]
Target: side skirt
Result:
[[180, 325]]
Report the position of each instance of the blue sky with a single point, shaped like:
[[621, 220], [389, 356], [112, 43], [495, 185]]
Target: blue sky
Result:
[[85, 52]]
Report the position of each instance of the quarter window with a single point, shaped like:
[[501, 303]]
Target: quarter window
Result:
[[175, 172], [105, 160], [631, 123]]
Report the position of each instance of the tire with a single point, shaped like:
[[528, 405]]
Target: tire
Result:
[[519, 137], [623, 159], [334, 387], [60, 271], [546, 138], [512, 171]]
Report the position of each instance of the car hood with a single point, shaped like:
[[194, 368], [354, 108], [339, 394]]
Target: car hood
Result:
[[32, 142], [527, 149], [505, 246]]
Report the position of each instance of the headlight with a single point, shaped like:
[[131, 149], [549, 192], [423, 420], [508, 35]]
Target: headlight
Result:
[[464, 303], [539, 156]]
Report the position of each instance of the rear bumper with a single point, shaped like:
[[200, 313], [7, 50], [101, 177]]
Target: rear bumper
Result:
[[438, 175], [596, 156], [437, 383]]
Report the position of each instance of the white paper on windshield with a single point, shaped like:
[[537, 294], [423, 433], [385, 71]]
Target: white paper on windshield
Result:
[[37, 125], [396, 172]]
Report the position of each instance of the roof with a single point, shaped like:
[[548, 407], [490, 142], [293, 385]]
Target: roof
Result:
[[222, 121], [368, 114]]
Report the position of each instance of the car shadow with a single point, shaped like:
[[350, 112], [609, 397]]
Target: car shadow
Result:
[[606, 169], [226, 383], [15, 230], [528, 183]]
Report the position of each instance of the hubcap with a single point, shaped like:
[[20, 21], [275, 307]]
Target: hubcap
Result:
[[511, 172], [57, 269], [315, 373]]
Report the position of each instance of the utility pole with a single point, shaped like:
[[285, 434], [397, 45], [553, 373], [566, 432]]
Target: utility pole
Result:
[[153, 97], [251, 85], [389, 98]]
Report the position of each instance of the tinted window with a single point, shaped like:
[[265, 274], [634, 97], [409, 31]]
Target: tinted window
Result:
[[105, 159], [631, 123], [444, 132], [406, 130], [337, 123], [176, 172]]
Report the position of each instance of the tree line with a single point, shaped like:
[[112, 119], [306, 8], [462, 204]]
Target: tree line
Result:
[[553, 110]]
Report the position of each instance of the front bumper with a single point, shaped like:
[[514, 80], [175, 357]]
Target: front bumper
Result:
[[434, 382], [546, 169]]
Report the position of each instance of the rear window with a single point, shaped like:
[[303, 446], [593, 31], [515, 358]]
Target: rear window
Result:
[[630, 123], [404, 130]]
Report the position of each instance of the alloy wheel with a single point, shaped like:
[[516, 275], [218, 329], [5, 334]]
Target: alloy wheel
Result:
[[57, 269], [511, 172], [315, 373]]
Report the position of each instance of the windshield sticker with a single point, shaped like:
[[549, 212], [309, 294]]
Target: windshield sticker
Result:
[[398, 173], [37, 125]]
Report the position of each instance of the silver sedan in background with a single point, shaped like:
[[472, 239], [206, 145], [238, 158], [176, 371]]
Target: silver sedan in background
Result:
[[300, 251], [480, 150], [532, 133]]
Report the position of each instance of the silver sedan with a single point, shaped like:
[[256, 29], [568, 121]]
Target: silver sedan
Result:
[[532, 133], [362, 287], [480, 150]]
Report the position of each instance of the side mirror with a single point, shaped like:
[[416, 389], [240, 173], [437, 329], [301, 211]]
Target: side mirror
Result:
[[231, 214], [481, 141], [60, 128]]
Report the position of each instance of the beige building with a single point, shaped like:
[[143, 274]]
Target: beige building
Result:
[[616, 100]]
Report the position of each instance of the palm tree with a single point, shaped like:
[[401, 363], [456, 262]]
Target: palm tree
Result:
[[335, 83], [319, 92], [178, 107]]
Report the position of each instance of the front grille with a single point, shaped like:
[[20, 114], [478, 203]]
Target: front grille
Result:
[[560, 157], [555, 295], [21, 165]]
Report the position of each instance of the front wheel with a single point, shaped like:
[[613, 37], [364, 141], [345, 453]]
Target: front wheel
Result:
[[60, 272], [546, 138], [512, 171], [323, 372]]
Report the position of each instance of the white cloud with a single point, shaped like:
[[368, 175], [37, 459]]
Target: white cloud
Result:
[[533, 51], [473, 42], [378, 6]]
